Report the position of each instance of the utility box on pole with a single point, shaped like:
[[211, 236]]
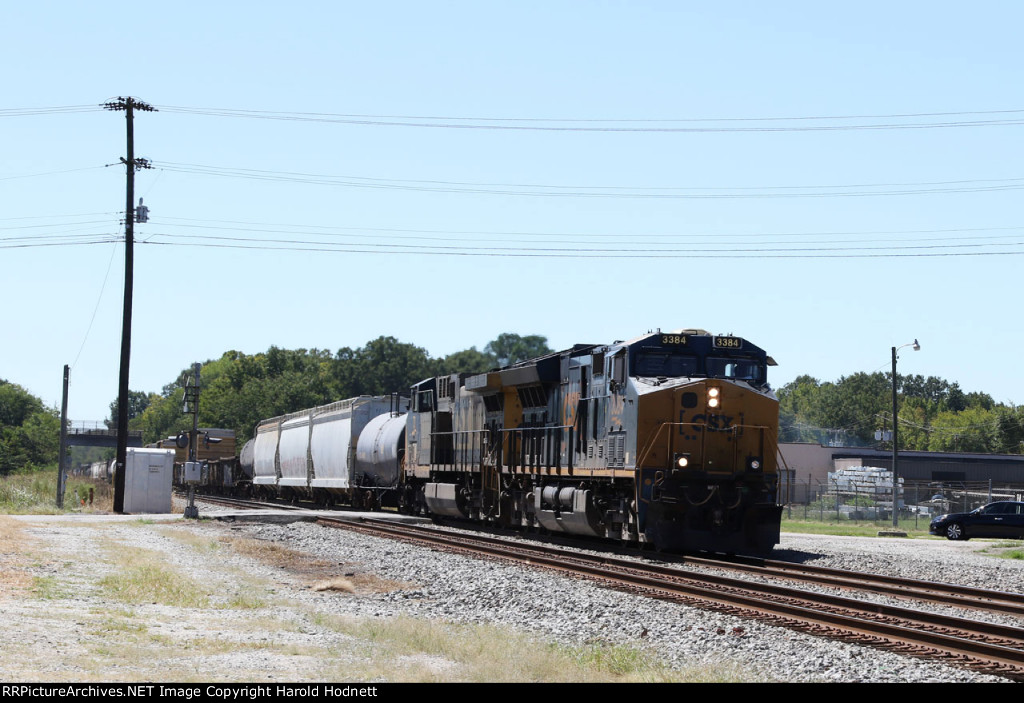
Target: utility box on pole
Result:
[[148, 476]]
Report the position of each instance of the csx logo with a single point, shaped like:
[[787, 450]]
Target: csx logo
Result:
[[714, 423]]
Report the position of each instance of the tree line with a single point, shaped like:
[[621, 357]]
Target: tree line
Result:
[[934, 414], [29, 431], [238, 390]]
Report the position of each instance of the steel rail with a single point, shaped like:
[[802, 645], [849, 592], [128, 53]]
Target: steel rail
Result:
[[992, 648], [917, 589], [967, 597]]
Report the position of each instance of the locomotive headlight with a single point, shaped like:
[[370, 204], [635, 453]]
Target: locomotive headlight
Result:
[[681, 461], [754, 463], [714, 399]]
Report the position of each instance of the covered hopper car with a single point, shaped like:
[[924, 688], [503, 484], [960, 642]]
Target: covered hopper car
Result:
[[346, 452]]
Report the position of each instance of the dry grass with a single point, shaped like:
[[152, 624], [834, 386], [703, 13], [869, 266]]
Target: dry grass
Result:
[[142, 576], [14, 549], [90, 496], [342, 585], [407, 649], [320, 574], [151, 622]]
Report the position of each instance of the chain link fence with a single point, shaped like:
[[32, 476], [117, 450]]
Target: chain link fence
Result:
[[837, 500]]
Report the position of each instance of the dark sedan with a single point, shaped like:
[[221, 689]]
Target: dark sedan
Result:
[[1002, 519]]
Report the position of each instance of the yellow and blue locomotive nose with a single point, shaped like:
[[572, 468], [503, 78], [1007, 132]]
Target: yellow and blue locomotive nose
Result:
[[707, 475], [718, 428]]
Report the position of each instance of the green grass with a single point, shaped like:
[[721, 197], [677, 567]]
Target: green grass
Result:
[[141, 578], [35, 493], [49, 588], [851, 529], [1006, 549], [29, 493]]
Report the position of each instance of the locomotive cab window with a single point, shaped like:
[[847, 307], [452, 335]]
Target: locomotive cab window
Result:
[[425, 401], [662, 363], [740, 369]]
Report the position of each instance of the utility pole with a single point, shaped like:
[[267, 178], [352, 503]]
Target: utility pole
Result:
[[62, 469], [129, 105]]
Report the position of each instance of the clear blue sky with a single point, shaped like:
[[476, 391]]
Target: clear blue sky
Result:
[[593, 170]]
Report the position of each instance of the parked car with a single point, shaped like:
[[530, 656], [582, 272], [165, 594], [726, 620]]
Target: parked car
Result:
[[1004, 518]]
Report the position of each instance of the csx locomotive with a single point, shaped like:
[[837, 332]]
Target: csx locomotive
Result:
[[668, 439]]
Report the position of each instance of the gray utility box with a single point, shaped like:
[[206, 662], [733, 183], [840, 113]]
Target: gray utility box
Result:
[[147, 480]]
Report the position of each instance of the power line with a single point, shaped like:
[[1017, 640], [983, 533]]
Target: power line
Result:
[[921, 120], [985, 118], [50, 217], [55, 224], [252, 243], [49, 173], [621, 248], [107, 239], [32, 111], [555, 190], [78, 232], [295, 237], [571, 254], [717, 235], [99, 298]]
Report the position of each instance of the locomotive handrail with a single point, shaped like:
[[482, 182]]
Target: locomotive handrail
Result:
[[778, 485], [458, 452], [516, 435], [648, 447]]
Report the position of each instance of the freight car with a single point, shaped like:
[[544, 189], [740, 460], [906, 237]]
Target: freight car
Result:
[[668, 439], [222, 472], [347, 452]]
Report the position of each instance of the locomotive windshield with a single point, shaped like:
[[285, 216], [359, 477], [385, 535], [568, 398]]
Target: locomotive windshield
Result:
[[650, 362], [740, 369], [675, 364]]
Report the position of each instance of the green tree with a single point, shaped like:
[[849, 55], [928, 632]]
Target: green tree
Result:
[[382, 366], [468, 361], [29, 432], [138, 401], [509, 348], [969, 430], [1008, 430]]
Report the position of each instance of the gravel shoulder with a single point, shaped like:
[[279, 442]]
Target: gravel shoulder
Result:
[[295, 606]]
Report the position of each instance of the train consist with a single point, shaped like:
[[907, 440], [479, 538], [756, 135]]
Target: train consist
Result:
[[668, 439], [216, 451]]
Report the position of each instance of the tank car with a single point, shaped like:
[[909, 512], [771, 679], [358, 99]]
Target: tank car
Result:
[[333, 453], [668, 439]]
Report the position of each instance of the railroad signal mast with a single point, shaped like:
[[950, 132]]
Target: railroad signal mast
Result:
[[193, 468]]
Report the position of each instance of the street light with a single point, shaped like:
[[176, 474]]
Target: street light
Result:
[[895, 436]]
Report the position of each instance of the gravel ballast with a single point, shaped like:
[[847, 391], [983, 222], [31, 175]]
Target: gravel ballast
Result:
[[551, 605], [459, 589]]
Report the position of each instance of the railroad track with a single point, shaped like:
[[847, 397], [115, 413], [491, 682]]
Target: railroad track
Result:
[[962, 641], [986, 647]]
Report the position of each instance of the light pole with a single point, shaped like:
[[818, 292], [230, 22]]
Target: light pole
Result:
[[895, 436]]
